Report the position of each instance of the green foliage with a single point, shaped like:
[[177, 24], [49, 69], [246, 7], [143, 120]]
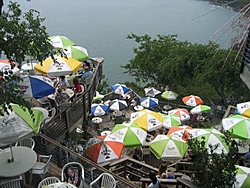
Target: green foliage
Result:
[[213, 170], [21, 34], [104, 87]]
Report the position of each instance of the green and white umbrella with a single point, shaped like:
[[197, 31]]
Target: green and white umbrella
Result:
[[171, 120], [212, 137], [77, 52], [242, 177], [130, 134], [238, 126], [200, 109], [60, 41], [168, 147], [169, 95]]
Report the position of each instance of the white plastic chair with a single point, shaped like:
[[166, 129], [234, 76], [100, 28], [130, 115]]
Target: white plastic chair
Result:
[[13, 183], [29, 142], [41, 167], [78, 94], [52, 113], [77, 168], [107, 180], [48, 181]]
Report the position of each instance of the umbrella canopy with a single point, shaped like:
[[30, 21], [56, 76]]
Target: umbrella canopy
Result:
[[192, 100], [147, 120], [149, 102], [60, 67], [60, 41], [168, 147], [242, 177], [200, 109], [118, 104], [99, 109], [170, 120], [181, 112], [182, 132], [120, 88], [130, 134], [28, 66], [19, 124], [36, 86], [238, 126], [212, 137], [244, 108], [151, 92], [6, 66], [77, 52], [103, 148], [169, 95]]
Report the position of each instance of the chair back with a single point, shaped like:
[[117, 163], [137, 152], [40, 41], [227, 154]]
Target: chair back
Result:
[[45, 159], [29, 142], [108, 180], [52, 113], [48, 181], [13, 183]]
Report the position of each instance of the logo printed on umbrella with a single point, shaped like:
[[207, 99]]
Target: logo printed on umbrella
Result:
[[24, 88], [245, 106], [171, 149], [152, 121]]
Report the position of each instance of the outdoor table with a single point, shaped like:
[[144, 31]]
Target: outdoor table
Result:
[[69, 92], [105, 133], [97, 120], [24, 159], [138, 108], [60, 185], [167, 107], [117, 113]]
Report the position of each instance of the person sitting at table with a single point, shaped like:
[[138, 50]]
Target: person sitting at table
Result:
[[72, 177], [87, 73], [63, 82], [61, 97], [155, 182], [162, 169], [78, 88]]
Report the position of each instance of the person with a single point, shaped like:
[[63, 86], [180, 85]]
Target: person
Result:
[[72, 177], [78, 88], [61, 97], [170, 174], [63, 82], [162, 170], [87, 73], [155, 183]]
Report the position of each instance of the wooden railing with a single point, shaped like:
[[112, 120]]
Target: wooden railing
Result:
[[77, 112]]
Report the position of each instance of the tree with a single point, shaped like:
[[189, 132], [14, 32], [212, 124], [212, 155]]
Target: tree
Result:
[[21, 34], [185, 67]]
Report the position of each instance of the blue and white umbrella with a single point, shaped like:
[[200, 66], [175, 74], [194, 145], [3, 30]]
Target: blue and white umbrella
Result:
[[120, 88], [118, 104], [149, 102], [36, 86], [99, 109]]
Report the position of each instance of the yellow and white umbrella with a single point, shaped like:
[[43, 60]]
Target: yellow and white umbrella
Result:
[[244, 108], [147, 119], [58, 67]]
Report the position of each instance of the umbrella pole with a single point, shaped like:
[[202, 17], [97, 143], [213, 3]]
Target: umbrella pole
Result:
[[12, 157]]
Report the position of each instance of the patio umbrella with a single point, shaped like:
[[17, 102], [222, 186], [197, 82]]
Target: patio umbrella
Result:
[[192, 100], [181, 112], [19, 124], [28, 66], [147, 119], [77, 52], [238, 126], [244, 108], [60, 41], [118, 105], [242, 177], [169, 95], [6, 66], [212, 137], [120, 88], [59, 67], [149, 102], [200, 109], [130, 134], [98, 96], [36, 86], [183, 132], [168, 147], [170, 120], [103, 148], [151, 92], [99, 109]]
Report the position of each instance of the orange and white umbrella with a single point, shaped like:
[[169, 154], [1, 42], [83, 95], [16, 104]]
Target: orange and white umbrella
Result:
[[244, 109], [182, 132], [192, 100], [147, 119], [181, 112], [6, 67], [104, 148]]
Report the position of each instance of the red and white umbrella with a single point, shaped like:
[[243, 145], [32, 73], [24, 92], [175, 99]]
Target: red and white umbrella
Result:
[[181, 112], [104, 148], [182, 132], [192, 100]]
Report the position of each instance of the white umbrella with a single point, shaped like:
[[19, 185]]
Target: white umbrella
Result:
[[28, 66], [118, 104], [151, 92]]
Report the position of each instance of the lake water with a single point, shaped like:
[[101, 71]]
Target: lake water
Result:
[[101, 26]]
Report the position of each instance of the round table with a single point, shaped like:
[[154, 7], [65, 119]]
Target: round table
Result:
[[24, 159], [69, 92], [138, 108], [61, 185], [167, 107], [117, 113], [97, 120], [105, 133]]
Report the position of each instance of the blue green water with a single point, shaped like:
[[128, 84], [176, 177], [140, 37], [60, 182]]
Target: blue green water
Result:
[[101, 26]]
